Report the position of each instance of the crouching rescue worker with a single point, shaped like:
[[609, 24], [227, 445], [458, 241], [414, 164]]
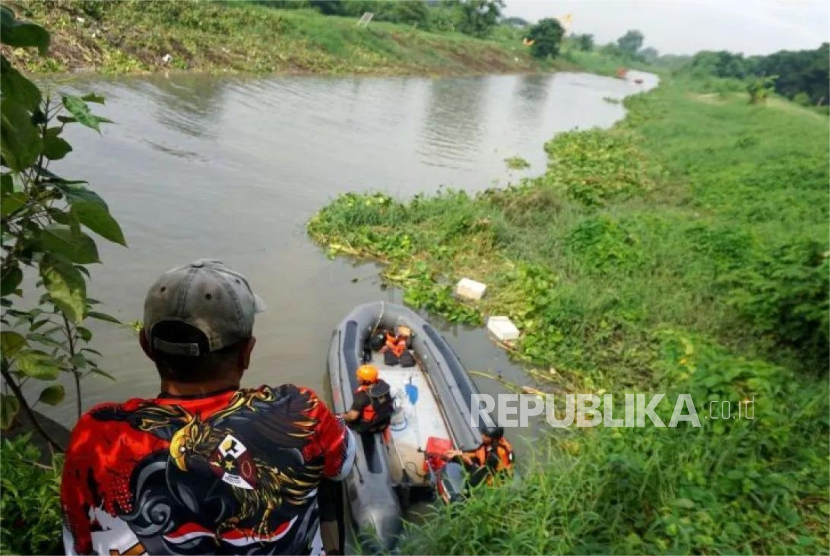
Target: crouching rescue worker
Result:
[[494, 456], [372, 406], [396, 349]]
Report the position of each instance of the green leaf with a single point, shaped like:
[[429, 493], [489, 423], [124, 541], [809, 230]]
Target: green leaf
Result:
[[52, 395], [16, 88], [37, 364], [11, 343], [20, 142], [78, 361], [684, 503], [98, 219], [92, 97], [80, 110], [76, 246], [84, 333], [91, 211], [9, 408], [66, 287], [12, 202], [54, 147], [103, 316], [12, 277], [98, 371], [21, 33]]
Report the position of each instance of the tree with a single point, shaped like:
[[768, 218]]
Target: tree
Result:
[[760, 88], [630, 43], [478, 17], [515, 22], [546, 36], [329, 7], [649, 55], [584, 42], [45, 220]]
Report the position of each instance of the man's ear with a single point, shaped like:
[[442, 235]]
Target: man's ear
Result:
[[245, 353], [145, 344]]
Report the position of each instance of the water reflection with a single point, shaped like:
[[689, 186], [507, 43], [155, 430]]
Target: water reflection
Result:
[[529, 97], [189, 104], [453, 122]]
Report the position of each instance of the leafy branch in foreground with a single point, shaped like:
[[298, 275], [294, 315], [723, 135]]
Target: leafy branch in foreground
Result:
[[44, 218]]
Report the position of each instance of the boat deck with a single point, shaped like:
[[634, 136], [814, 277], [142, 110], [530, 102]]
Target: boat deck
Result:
[[418, 416]]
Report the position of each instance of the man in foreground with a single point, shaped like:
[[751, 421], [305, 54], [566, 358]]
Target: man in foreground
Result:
[[206, 466]]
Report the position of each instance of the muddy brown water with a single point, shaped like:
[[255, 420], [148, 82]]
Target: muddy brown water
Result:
[[232, 168]]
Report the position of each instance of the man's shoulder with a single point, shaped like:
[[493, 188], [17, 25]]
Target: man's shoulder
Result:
[[98, 414]]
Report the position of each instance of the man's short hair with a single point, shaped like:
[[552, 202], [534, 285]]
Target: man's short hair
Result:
[[192, 369]]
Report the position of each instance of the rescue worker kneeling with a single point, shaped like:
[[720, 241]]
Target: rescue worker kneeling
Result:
[[494, 456], [396, 349], [372, 406]]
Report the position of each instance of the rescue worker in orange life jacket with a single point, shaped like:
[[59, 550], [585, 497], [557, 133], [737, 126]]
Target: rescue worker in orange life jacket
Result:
[[493, 456], [372, 405], [395, 350]]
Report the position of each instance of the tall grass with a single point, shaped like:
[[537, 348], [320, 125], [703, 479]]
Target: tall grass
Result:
[[683, 251]]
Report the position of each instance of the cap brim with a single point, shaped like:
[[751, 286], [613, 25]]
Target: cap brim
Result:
[[259, 304]]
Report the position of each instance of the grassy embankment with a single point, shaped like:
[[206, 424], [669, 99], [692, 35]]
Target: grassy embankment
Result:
[[683, 251], [133, 37]]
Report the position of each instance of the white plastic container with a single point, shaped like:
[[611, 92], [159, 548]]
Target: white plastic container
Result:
[[503, 329], [470, 289]]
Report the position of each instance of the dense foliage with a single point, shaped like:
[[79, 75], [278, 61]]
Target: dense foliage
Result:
[[45, 220], [803, 71], [631, 42], [683, 251], [546, 36], [479, 17], [30, 504]]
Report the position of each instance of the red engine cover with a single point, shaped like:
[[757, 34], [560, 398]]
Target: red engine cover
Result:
[[436, 447]]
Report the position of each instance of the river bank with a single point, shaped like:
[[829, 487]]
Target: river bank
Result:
[[143, 37], [682, 251]]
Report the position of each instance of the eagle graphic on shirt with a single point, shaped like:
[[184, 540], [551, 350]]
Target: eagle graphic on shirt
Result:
[[245, 474]]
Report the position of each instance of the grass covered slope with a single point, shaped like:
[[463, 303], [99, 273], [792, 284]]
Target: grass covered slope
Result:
[[683, 251], [134, 36]]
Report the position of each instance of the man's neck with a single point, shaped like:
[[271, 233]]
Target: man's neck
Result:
[[172, 388]]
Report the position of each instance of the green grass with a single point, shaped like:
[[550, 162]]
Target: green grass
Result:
[[516, 163], [132, 36], [684, 250]]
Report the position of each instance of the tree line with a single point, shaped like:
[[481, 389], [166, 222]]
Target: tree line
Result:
[[799, 75]]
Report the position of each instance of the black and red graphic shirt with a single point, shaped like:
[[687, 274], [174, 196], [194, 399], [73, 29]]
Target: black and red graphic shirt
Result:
[[235, 472]]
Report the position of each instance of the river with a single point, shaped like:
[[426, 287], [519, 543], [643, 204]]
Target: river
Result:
[[232, 168]]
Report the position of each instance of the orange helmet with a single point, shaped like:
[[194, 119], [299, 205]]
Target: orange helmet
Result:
[[367, 373]]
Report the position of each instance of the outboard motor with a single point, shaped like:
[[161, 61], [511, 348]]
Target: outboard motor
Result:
[[451, 483]]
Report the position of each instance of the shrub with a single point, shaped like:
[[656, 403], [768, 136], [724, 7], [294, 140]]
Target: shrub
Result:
[[30, 504], [546, 36]]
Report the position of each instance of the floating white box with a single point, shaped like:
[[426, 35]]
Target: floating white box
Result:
[[470, 289], [503, 329]]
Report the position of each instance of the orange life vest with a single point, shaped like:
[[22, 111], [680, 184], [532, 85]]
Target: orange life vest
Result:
[[380, 407], [395, 344], [503, 450], [367, 414]]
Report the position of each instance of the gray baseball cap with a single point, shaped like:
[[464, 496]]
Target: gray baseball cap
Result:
[[207, 295]]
